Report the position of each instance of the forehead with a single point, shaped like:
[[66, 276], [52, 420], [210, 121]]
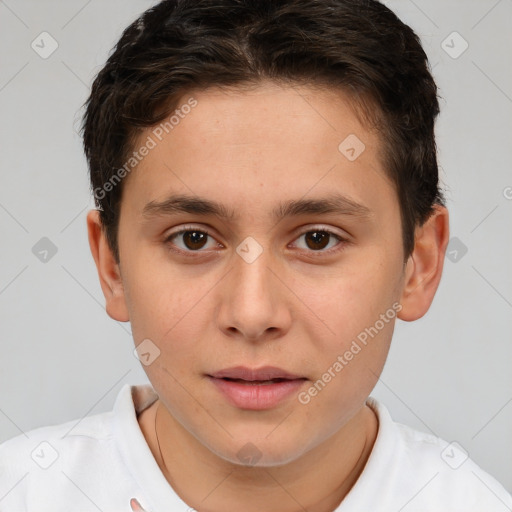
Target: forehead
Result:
[[253, 145], [272, 115]]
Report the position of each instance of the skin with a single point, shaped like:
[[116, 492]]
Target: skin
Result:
[[296, 307]]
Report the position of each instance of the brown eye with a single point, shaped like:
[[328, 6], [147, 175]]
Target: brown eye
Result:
[[321, 241], [317, 240], [194, 240]]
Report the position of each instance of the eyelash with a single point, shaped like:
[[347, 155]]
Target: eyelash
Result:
[[342, 242]]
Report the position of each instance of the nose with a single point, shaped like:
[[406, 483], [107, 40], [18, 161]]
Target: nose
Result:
[[254, 303]]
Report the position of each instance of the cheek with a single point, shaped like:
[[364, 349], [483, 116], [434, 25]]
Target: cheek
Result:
[[358, 306], [170, 308], [155, 301], [351, 298], [348, 364]]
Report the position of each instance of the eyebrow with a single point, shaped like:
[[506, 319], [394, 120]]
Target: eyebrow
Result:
[[332, 204]]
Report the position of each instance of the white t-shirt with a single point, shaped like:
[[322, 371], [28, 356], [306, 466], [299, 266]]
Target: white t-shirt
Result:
[[103, 462]]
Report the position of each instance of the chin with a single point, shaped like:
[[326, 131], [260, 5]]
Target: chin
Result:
[[260, 453]]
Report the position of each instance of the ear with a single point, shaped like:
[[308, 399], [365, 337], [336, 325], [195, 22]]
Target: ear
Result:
[[425, 265], [108, 269]]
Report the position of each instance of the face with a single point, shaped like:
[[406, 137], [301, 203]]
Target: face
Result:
[[270, 286]]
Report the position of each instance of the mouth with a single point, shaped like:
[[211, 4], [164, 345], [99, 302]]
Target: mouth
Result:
[[256, 389], [255, 382], [263, 374]]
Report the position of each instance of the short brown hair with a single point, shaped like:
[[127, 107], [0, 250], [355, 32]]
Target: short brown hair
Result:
[[357, 46]]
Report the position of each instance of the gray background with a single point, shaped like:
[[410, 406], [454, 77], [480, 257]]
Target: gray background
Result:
[[63, 358]]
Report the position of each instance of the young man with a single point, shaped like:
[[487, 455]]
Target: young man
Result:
[[268, 199]]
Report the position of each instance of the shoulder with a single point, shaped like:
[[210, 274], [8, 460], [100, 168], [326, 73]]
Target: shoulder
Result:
[[49, 450], [43, 445], [427, 473], [81, 437], [49, 465], [451, 470]]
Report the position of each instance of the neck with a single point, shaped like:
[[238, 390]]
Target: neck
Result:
[[317, 481]]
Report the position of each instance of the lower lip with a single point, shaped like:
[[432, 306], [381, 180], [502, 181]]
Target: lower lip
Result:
[[257, 396]]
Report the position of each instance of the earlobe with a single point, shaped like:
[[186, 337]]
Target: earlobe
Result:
[[108, 269], [425, 265]]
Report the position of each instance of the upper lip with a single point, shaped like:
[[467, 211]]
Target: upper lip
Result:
[[253, 374]]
